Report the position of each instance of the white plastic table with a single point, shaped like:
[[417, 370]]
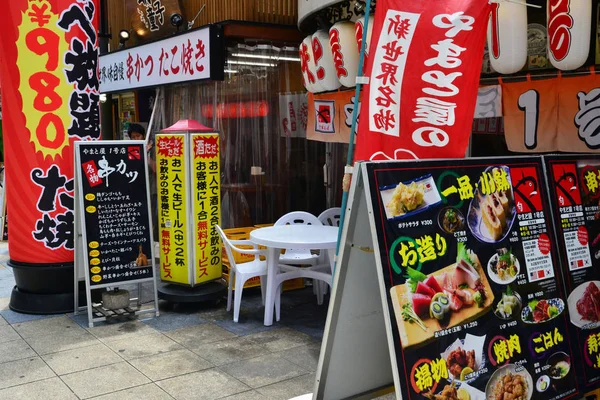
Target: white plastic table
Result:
[[275, 238]]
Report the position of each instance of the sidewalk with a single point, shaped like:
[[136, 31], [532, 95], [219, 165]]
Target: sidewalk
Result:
[[186, 353]]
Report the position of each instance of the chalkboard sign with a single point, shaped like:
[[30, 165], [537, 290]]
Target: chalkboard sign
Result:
[[114, 210], [455, 291]]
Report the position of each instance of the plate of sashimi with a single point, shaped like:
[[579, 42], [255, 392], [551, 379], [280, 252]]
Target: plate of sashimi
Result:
[[450, 296], [491, 215]]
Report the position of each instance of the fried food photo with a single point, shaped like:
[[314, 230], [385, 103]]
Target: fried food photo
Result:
[[510, 387], [460, 360]]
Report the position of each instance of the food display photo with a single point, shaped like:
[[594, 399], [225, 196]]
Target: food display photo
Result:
[[470, 269], [575, 206]]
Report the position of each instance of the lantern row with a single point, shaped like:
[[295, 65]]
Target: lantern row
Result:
[[329, 59], [569, 24]]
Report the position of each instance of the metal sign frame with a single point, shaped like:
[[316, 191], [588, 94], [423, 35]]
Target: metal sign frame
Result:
[[82, 262]]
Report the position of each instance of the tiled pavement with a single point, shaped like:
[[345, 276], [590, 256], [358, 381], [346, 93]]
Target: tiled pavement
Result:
[[189, 352]]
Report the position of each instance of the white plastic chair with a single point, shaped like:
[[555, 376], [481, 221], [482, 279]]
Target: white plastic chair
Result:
[[304, 257], [243, 271], [331, 216], [295, 256]]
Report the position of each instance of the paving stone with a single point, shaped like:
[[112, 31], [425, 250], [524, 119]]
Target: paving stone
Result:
[[168, 365], [172, 321], [103, 380], [280, 339], [23, 371], [69, 361], [15, 317], [3, 322], [250, 395], [244, 326], [146, 392], [52, 388], [15, 350], [194, 336], [47, 327], [4, 302], [306, 357], [289, 389], [61, 341], [147, 345], [7, 333], [204, 385], [229, 350], [122, 330], [263, 370]]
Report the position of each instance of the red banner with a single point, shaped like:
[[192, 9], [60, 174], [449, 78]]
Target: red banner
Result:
[[50, 90], [424, 65]]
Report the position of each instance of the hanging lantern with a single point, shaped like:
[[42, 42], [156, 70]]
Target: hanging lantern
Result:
[[345, 55], [309, 76], [325, 69], [507, 37], [569, 30], [359, 28]]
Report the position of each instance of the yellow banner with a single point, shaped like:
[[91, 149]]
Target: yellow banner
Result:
[[207, 206], [173, 208]]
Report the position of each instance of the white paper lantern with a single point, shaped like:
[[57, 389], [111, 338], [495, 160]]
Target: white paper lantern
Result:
[[507, 37], [325, 69], [309, 76], [569, 29], [359, 28], [343, 50]]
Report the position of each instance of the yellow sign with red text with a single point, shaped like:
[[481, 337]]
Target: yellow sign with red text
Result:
[[173, 208], [206, 183]]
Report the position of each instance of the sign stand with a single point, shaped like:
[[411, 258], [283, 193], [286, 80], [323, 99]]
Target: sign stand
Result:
[[419, 235], [356, 324], [102, 244]]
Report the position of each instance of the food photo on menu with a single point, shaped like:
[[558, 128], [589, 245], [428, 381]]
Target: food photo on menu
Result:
[[575, 197], [477, 307]]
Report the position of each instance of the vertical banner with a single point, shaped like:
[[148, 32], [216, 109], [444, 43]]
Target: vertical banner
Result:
[[424, 72], [173, 207], [293, 114], [50, 90], [206, 186]]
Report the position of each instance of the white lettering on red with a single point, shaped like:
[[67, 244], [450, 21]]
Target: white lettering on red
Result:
[[560, 23]]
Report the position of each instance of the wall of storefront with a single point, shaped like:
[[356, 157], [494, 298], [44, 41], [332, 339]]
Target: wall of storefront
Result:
[[266, 11]]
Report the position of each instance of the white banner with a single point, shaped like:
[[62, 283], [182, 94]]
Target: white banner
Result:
[[293, 114], [176, 59], [489, 102]]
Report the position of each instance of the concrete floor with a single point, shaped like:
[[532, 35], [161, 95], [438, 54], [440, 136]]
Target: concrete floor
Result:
[[186, 353]]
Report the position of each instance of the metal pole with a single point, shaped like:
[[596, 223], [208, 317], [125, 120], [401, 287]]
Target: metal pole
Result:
[[106, 115], [350, 159]]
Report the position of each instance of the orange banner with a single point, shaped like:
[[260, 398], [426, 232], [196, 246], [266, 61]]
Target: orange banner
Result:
[[330, 116], [559, 114], [579, 114], [530, 115]]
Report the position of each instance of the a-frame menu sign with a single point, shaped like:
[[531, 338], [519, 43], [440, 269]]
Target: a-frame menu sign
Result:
[[448, 284]]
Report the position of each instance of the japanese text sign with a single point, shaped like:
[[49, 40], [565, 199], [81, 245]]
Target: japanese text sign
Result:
[[471, 279], [113, 202], [574, 183], [206, 181], [51, 99], [181, 58], [173, 207], [424, 76]]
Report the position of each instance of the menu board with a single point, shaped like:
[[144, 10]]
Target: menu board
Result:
[[574, 185], [471, 279], [114, 204]]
